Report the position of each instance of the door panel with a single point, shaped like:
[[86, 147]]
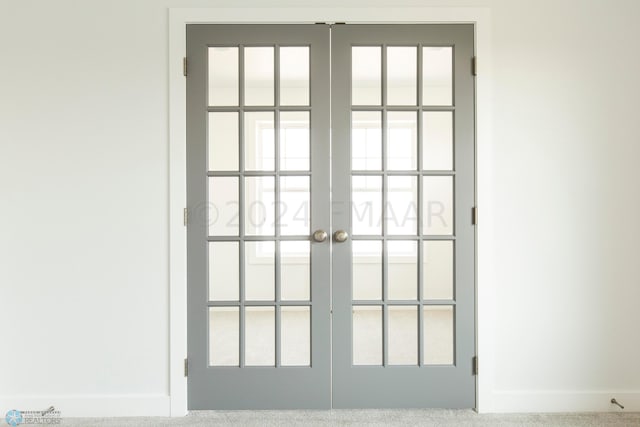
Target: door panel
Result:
[[257, 157], [403, 164], [365, 132]]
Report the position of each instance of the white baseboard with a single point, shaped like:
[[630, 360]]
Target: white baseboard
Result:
[[503, 401], [563, 401], [92, 406]]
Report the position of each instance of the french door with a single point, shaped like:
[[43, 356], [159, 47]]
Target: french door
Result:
[[330, 237]]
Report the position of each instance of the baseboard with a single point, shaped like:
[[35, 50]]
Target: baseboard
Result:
[[563, 401], [502, 401], [92, 406]]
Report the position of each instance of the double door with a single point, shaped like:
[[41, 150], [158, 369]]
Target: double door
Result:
[[330, 236]]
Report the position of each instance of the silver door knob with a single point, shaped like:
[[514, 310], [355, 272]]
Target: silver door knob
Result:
[[320, 236], [340, 236]]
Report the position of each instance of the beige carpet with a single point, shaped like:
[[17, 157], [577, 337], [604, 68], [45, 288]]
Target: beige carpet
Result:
[[427, 417]]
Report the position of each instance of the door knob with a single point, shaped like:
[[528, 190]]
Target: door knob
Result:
[[340, 236], [319, 236]]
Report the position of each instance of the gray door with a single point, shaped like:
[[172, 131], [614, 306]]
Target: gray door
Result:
[[403, 193], [257, 161], [379, 313]]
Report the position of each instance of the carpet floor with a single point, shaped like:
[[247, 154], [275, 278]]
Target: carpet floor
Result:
[[426, 417]]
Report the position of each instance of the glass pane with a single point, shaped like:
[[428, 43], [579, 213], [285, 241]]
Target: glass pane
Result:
[[437, 140], [402, 261], [402, 205], [259, 137], [224, 271], [295, 270], [437, 75], [437, 207], [295, 336], [259, 271], [402, 140], [437, 269], [223, 206], [294, 140], [438, 335], [366, 74], [366, 205], [259, 336], [403, 335], [367, 335], [294, 206], [366, 140], [224, 336], [367, 269], [223, 76], [294, 75], [259, 206], [402, 75], [258, 76], [223, 141]]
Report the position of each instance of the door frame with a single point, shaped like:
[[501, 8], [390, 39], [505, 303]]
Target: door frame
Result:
[[178, 20]]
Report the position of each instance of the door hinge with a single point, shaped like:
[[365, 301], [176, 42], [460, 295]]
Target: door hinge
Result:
[[474, 215], [474, 66], [185, 216], [184, 66], [474, 365], [186, 367]]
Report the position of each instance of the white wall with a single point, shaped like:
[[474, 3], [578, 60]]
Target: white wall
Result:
[[84, 196], [566, 144]]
